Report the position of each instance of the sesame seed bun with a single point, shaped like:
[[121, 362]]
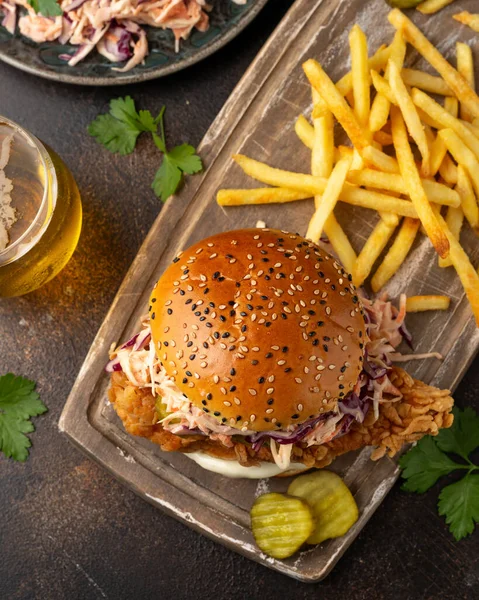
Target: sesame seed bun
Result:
[[258, 327]]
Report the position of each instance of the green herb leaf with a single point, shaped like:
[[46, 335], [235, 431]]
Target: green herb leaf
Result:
[[119, 130], [463, 437], [423, 465], [186, 159], [459, 503], [47, 8], [167, 179], [18, 403], [115, 135]]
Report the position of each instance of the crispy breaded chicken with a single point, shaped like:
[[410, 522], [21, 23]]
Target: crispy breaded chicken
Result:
[[423, 410]]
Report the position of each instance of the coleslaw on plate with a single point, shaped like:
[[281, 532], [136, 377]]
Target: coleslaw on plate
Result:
[[113, 27]]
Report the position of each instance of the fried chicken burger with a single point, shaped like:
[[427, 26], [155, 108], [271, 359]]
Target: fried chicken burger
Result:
[[258, 357]]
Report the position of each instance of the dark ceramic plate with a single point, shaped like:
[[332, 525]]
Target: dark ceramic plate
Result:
[[227, 19]]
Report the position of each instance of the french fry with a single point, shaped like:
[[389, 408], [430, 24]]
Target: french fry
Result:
[[393, 182], [340, 242], [305, 131], [329, 199], [452, 106], [472, 128], [316, 185], [445, 119], [336, 103], [380, 107], [358, 44], [345, 85], [322, 155], [427, 120], [438, 152], [426, 82], [322, 160], [396, 254], [259, 196], [454, 80], [462, 155], [468, 198], [382, 87], [371, 250], [466, 272], [465, 66], [410, 115], [467, 19], [422, 303], [454, 220], [413, 184], [384, 138], [448, 170], [380, 160], [429, 7]]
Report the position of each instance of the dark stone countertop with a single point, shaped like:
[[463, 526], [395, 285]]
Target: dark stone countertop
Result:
[[67, 529]]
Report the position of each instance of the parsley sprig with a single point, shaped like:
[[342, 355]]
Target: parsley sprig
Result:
[[119, 129], [47, 8], [18, 403], [430, 459]]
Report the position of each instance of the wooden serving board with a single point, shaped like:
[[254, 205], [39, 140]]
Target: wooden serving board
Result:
[[258, 120]]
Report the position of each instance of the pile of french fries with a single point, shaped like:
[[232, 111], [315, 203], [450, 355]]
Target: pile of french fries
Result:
[[431, 163]]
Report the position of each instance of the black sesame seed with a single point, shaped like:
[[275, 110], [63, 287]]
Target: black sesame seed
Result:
[[326, 338], [260, 379], [259, 307], [232, 313], [212, 304], [325, 347], [350, 277], [206, 410], [153, 315], [192, 356], [287, 370], [202, 318], [233, 388], [216, 274], [265, 259], [189, 373], [229, 256], [176, 259], [333, 287], [263, 252], [243, 314], [209, 396], [360, 334], [320, 273], [341, 394], [231, 348], [312, 333], [210, 325], [342, 369], [264, 297], [153, 300], [270, 401], [266, 420], [238, 284], [320, 323], [267, 277], [249, 306], [197, 313], [217, 413], [295, 416], [222, 318], [205, 345], [243, 329], [206, 290], [267, 324], [149, 308], [341, 386], [186, 271], [189, 344], [269, 355], [254, 362], [238, 418], [185, 380], [315, 342], [203, 402], [189, 301], [226, 334], [182, 292], [193, 307], [233, 372], [283, 316], [271, 270], [311, 312], [284, 349], [216, 335], [165, 344], [207, 311], [221, 278], [231, 302]]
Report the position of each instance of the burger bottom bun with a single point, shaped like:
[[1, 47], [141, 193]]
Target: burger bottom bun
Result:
[[232, 468]]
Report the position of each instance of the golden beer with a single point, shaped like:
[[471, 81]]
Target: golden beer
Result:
[[48, 213]]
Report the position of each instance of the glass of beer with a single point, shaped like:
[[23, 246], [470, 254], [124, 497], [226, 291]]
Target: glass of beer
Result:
[[40, 212]]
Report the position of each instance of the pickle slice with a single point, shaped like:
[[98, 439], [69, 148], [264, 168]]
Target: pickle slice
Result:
[[404, 3], [281, 524], [333, 505]]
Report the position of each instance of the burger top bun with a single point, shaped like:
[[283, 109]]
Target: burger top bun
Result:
[[258, 327]]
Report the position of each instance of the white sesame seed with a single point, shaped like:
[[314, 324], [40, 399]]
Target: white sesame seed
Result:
[[328, 310], [320, 367], [306, 370], [216, 379], [237, 401], [281, 362], [166, 329], [252, 391], [274, 347], [255, 349], [268, 411], [318, 377], [252, 418], [223, 390], [331, 367], [223, 346], [298, 380], [226, 403], [271, 378], [344, 348], [300, 407], [270, 390]]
